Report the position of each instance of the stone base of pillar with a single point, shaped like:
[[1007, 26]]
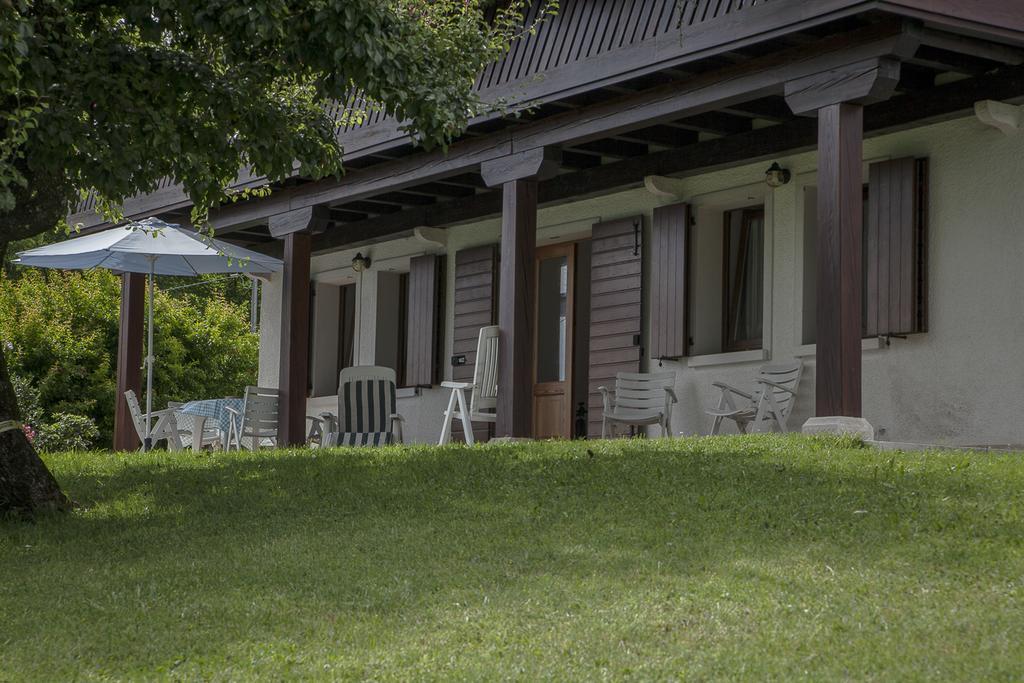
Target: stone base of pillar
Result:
[[852, 426]]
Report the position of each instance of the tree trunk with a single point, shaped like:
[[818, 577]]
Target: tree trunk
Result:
[[26, 485]]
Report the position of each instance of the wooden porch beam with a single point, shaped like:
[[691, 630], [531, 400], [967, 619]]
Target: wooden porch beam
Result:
[[129, 358], [865, 82], [313, 219]]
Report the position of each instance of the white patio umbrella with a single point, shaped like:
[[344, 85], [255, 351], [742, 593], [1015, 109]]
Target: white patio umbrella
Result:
[[153, 247]]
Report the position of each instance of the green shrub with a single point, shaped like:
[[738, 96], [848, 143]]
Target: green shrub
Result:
[[67, 433], [60, 337]]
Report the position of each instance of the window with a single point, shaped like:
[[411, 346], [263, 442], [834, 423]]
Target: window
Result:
[[390, 344], [894, 256], [743, 279], [331, 335], [725, 280]]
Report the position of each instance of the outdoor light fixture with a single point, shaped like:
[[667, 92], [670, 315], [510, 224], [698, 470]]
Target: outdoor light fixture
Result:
[[360, 262], [776, 176]]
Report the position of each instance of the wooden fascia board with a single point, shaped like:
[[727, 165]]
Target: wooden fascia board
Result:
[[997, 20]]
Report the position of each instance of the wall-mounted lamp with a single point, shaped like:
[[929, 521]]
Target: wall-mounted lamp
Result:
[[776, 176], [360, 262]]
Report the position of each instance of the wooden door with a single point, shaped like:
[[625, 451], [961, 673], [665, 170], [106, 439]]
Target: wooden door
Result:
[[553, 336]]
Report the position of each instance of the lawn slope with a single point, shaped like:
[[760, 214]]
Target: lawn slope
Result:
[[738, 558]]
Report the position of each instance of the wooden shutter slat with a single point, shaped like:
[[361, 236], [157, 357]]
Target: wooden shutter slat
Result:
[[476, 288], [615, 308], [423, 313], [894, 249], [669, 239]]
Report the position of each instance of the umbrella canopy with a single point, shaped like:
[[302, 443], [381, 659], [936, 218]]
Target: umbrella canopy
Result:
[[150, 245], [153, 247]]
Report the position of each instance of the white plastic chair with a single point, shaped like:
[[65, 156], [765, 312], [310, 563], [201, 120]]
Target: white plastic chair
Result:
[[165, 427], [367, 410], [483, 401], [771, 402], [257, 420], [639, 399]]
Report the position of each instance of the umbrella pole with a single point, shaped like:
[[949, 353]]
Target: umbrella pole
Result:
[[147, 443]]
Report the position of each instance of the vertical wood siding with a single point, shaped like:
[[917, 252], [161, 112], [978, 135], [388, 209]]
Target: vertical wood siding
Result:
[[476, 289], [894, 249], [423, 311], [669, 272], [616, 284]]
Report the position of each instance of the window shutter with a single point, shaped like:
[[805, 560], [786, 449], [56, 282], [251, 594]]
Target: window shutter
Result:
[[895, 249], [616, 275], [423, 315], [476, 287], [669, 271]]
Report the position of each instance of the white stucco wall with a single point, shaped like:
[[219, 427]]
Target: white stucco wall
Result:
[[957, 384]]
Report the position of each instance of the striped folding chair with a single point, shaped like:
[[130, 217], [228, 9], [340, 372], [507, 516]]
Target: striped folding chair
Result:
[[367, 409]]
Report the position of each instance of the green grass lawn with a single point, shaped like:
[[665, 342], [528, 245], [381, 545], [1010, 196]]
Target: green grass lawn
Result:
[[738, 558]]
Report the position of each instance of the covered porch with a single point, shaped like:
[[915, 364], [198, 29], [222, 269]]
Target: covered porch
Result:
[[621, 185]]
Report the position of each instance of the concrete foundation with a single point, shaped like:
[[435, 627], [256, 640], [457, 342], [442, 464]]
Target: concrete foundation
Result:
[[854, 426]]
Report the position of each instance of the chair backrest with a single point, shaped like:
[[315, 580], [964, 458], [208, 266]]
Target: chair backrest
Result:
[[259, 415], [367, 399], [136, 412], [786, 374], [485, 372], [642, 390]]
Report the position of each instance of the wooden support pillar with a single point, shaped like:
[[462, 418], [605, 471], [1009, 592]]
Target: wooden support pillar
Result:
[[837, 96], [296, 229], [515, 308], [129, 358], [517, 175], [839, 270], [294, 368]]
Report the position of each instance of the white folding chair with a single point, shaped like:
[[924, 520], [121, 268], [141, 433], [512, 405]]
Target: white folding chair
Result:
[[483, 401], [771, 402], [256, 423], [367, 410], [639, 399], [165, 427]]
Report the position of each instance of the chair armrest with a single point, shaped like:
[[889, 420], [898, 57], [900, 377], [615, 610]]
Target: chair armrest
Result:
[[733, 390], [457, 385], [770, 383], [672, 392], [606, 399], [232, 411], [396, 416]]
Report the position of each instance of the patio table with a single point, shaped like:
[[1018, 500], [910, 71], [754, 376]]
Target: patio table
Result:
[[201, 411]]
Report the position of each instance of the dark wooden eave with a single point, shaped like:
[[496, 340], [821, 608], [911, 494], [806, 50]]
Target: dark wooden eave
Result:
[[625, 87]]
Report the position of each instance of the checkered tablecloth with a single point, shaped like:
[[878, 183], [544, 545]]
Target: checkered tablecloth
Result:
[[213, 408]]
